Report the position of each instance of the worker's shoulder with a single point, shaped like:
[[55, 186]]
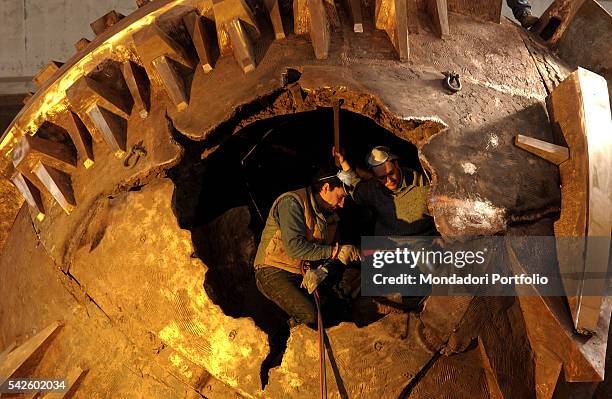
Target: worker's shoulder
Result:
[[290, 199]]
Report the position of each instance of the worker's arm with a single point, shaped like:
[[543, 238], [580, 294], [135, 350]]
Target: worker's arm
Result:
[[293, 232], [359, 193]]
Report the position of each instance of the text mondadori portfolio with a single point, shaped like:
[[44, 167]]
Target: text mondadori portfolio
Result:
[[469, 279]]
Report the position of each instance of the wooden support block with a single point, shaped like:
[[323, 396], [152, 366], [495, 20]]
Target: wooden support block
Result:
[[142, 3], [552, 337], [112, 127], [202, 39], [72, 378], [20, 355], [301, 17], [58, 184], [555, 20], [174, 84], [438, 12], [243, 49], [32, 149], [101, 24], [81, 138], [275, 16], [551, 152], [152, 42], [46, 73], [81, 44], [138, 84], [32, 196], [484, 10], [86, 92], [225, 12], [319, 28], [391, 16], [354, 7], [580, 109], [27, 97]]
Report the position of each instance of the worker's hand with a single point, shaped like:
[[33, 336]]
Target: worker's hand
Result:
[[338, 155], [348, 254], [312, 278]]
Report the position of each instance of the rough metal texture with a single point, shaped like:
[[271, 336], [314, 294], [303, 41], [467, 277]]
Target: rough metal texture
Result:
[[124, 276]]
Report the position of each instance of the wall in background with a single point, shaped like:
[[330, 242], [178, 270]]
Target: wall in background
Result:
[[33, 32]]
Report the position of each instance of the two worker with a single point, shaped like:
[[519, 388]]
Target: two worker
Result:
[[298, 246]]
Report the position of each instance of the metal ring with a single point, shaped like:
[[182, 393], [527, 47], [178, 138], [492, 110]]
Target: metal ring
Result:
[[138, 150], [449, 79]]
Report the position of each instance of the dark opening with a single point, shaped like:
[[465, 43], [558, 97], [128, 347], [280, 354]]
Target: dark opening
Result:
[[550, 28], [224, 200]]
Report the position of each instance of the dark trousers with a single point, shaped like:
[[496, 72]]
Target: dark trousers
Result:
[[283, 288], [518, 7]]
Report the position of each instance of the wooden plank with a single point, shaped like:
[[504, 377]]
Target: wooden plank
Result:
[[581, 111], [438, 12], [551, 152], [484, 10], [20, 355]]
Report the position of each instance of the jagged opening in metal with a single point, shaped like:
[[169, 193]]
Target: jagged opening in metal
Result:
[[223, 197]]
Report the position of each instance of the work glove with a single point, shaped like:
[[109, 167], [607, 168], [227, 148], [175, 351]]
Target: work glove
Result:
[[312, 278], [348, 254]]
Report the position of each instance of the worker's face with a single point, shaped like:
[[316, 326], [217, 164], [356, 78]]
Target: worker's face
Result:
[[388, 174], [333, 198]]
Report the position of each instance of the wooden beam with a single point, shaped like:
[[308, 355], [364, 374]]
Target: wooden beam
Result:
[[551, 152], [275, 16], [438, 12], [241, 44], [81, 44], [580, 110], [81, 138], [173, 82], [202, 39], [354, 8], [392, 17], [20, 355], [30, 193], [319, 28], [140, 87], [112, 127], [58, 184]]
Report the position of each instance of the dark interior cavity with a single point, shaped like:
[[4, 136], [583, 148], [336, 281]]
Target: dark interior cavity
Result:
[[223, 197]]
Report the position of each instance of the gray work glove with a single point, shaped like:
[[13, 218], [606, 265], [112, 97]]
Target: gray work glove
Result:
[[313, 277], [348, 254]]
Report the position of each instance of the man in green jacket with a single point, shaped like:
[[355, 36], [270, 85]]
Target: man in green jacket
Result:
[[300, 231], [397, 195]]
